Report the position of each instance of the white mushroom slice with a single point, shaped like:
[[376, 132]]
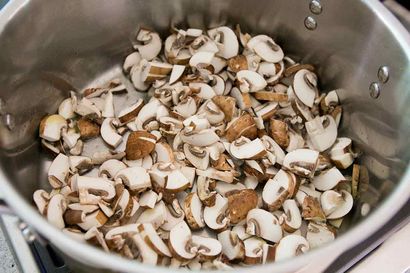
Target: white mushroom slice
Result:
[[95, 236], [94, 185], [218, 64], [135, 178], [243, 100], [222, 187], [80, 163], [243, 148], [109, 133], [154, 70], [203, 44], [147, 254], [263, 224], [66, 109], [41, 198], [175, 215], [58, 171], [328, 179], [250, 81], [251, 182], [291, 246], [149, 111], [330, 101], [205, 91], [86, 107], [232, 247], [100, 157], [130, 113], [155, 216], [176, 181], [163, 152], [273, 147], [78, 148], [267, 110], [115, 236], [208, 248], [226, 41], [253, 250], [151, 44], [276, 190], [322, 132], [267, 69], [266, 48], [148, 199], [87, 209], [212, 112], [189, 173], [151, 237], [292, 216], [136, 76], [198, 156], [108, 110], [111, 167], [180, 242], [200, 58], [177, 72], [198, 122], [305, 86], [302, 162], [296, 141], [318, 234], [170, 126], [341, 153], [186, 108], [206, 196], [336, 205], [131, 60], [214, 216], [202, 138], [55, 210], [253, 60], [225, 176], [51, 127], [194, 211], [75, 234], [95, 219]]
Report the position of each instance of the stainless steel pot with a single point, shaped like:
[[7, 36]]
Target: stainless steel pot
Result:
[[51, 47]]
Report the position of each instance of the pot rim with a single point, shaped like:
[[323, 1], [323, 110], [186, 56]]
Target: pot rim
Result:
[[98, 257]]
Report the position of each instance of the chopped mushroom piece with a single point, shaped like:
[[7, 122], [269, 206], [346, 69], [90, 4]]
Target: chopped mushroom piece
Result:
[[291, 246], [263, 224]]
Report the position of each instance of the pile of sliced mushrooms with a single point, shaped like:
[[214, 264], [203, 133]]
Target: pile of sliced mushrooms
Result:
[[233, 157]]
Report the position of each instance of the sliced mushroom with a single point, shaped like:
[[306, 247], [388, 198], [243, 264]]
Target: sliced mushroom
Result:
[[241, 126], [163, 152], [205, 194], [155, 216], [227, 106], [147, 254], [180, 242], [243, 148], [80, 164], [238, 63], [148, 199], [55, 210], [150, 44], [279, 132], [207, 248], [341, 153], [266, 48], [139, 145], [302, 162], [277, 190], [88, 129], [212, 112], [267, 110], [51, 127], [253, 250], [250, 81], [41, 198], [328, 179], [292, 217], [225, 176], [263, 224], [336, 204], [198, 156], [175, 214], [291, 246], [66, 109], [131, 60], [176, 181], [224, 188], [240, 202], [329, 102], [311, 209], [130, 113], [194, 211], [176, 74], [202, 138], [226, 40], [59, 171], [214, 216], [109, 133], [274, 148], [75, 234], [305, 86], [243, 100], [95, 237], [318, 234], [232, 247], [87, 108], [108, 110], [322, 132], [93, 187], [111, 167], [186, 108], [135, 178], [151, 237]]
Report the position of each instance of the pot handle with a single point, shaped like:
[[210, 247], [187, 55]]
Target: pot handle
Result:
[[46, 258]]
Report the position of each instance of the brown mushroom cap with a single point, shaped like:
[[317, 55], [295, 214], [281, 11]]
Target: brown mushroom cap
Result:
[[240, 202], [139, 145]]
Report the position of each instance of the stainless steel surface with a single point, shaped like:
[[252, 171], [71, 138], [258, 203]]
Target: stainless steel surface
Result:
[[310, 23], [315, 7], [375, 90], [67, 43], [383, 74]]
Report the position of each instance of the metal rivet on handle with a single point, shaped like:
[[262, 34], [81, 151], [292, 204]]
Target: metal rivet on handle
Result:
[[374, 90], [383, 74], [9, 121], [310, 23], [315, 7]]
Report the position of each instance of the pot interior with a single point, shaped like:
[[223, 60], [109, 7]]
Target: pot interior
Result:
[[52, 47]]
